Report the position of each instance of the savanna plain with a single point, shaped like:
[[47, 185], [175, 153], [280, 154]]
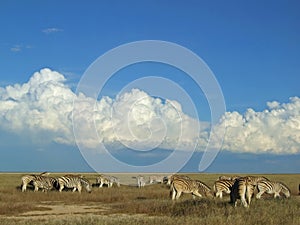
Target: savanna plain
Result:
[[151, 204]]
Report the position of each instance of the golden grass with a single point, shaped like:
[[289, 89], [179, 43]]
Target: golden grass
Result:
[[149, 205]]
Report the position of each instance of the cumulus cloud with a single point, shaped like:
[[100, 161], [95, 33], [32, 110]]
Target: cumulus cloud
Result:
[[42, 109], [274, 130], [44, 105]]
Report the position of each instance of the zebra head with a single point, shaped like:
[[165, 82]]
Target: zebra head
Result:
[[285, 190], [86, 184]]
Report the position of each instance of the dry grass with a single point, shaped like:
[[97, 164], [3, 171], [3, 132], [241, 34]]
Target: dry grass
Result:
[[149, 205]]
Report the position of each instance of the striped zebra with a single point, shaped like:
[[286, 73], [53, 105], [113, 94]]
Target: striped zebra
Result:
[[195, 187], [115, 180], [243, 188], [221, 186], [101, 180], [272, 187], [44, 182], [140, 181], [107, 180], [75, 182], [28, 179], [156, 179]]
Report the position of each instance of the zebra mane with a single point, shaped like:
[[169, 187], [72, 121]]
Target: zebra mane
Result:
[[84, 181], [200, 183], [44, 173]]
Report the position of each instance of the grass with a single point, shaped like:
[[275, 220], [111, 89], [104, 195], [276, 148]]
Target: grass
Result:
[[149, 205]]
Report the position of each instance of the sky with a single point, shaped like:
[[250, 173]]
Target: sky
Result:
[[47, 47]]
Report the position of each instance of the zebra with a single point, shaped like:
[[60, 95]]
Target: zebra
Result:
[[45, 183], [140, 181], [156, 179], [75, 182], [243, 188], [115, 180], [103, 180], [221, 186], [28, 179], [181, 185], [272, 187]]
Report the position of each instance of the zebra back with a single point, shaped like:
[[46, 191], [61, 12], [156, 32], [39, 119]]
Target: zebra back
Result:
[[222, 186]]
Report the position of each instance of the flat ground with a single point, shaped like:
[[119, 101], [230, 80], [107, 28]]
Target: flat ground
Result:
[[130, 205]]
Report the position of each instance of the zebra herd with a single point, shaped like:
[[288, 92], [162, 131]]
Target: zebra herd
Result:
[[237, 187], [44, 182]]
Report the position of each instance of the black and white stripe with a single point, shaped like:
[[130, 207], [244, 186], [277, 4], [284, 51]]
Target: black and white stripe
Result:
[[28, 179], [44, 182], [272, 187], [74, 181], [221, 186], [101, 180], [181, 185], [243, 188]]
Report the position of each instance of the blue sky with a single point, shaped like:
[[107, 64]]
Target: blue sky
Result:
[[252, 48]]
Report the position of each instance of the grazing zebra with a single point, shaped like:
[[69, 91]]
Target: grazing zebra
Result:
[[45, 183], [140, 181], [243, 188], [221, 186], [103, 180], [108, 180], [75, 182], [271, 187], [28, 179], [182, 185], [156, 179], [115, 180]]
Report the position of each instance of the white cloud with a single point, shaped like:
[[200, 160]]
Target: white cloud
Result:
[[44, 105], [274, 130], [41, 110], [52, 30], [16, 48]]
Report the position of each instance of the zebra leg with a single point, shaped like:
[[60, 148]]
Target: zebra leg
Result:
[[24, 187], [101, 184], [79, 188], [61, 187], [36, 188], [258, 195], [173, 194], [178, 194], [276, 194], [221, 194], [244, 202]]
